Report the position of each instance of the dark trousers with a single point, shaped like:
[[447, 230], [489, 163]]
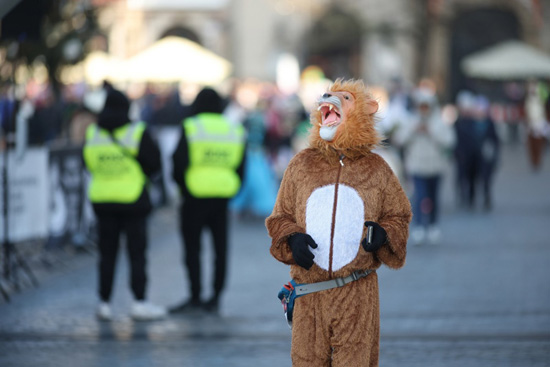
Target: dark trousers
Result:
[[535, 145], [425, 202], [110, 229], [478, 171], [197, 214]]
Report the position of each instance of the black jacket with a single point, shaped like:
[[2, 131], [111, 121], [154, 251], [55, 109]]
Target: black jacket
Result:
[[113, 116], [207, 101], [180, 160]]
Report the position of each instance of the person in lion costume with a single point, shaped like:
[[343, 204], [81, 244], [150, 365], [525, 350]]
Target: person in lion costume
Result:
[[340, 213]]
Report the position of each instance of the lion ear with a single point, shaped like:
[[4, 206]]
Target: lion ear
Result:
[[372, 107]]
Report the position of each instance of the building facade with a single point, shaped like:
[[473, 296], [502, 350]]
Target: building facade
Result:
[[370, 39]]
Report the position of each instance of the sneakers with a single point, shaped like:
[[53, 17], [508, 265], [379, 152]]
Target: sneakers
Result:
[[190, 306], [212, 305], [433, 235], [104, 312], [144, 311], [426, 236], [193, 306], [418, 235]]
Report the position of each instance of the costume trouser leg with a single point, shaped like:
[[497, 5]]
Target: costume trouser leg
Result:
[[108, 244], [193, 214], [136, 245], [338, 327]]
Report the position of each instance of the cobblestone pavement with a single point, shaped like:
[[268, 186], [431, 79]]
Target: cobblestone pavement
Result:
[[481, 298]]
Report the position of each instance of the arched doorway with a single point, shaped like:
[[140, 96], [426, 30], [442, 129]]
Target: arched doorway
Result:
[[333, 44], [473, 31], [181, 32]]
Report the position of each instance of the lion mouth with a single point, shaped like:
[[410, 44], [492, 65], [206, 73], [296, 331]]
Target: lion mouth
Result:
[[330, 114]]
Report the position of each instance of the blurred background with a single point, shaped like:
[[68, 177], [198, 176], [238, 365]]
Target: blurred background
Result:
[[270, 60], [56, 55]]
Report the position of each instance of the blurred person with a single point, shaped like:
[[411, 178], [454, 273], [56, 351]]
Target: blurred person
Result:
[[81, 119], [208, 166], [71, 104], [483, 160], [259, 189], [465, 146], [284, 114], [300, 136], [46, 123], [397, 112], [79, 116], [166, 109], [537, 121], [14, 119], [8, 110], [233, 110], [426, 140], [120, 156]]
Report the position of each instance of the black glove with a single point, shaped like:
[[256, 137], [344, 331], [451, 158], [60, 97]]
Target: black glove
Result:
[[379, 237], [299, 244]]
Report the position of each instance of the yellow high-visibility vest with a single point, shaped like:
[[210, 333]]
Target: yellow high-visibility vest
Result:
[[117, 177], [216, 149]]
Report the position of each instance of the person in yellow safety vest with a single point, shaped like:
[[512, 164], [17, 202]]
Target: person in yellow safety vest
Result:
[[208, 166], [120, 156]]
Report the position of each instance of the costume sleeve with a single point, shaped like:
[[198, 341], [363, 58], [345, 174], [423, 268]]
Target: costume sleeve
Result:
[[395, 218], [282, 221]]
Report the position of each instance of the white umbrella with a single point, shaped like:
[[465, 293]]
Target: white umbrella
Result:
[[100, 66], [507, 61], [94, 69], [174, 59]]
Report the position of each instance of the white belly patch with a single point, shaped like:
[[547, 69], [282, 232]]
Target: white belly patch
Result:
[[348, 229]]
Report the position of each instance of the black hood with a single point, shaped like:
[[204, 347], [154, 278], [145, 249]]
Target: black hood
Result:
[[115, 110], [208, 100]]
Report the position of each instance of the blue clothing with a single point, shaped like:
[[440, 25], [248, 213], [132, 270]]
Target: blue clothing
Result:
[[259, 189], [425, 200]]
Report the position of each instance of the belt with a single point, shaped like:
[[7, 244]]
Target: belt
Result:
[[302, 289]]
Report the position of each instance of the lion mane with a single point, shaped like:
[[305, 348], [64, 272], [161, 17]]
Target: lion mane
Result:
[[357, 134]]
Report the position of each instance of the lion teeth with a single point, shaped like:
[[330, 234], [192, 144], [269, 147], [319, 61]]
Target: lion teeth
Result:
[[330, 106]]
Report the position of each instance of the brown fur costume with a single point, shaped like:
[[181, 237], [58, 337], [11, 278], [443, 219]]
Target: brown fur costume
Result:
[[328, 191]]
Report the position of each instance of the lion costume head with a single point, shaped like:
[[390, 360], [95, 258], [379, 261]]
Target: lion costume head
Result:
[[343, 122]]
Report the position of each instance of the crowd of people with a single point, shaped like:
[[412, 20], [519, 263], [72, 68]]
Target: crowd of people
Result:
[[255, 139], [430, 139]]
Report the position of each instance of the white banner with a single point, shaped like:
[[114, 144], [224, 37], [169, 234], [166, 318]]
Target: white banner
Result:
[[67, 213], [28, 195]]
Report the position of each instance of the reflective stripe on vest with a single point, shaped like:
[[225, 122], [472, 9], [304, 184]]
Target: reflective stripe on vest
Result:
[[116, 176], [216, 148]]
